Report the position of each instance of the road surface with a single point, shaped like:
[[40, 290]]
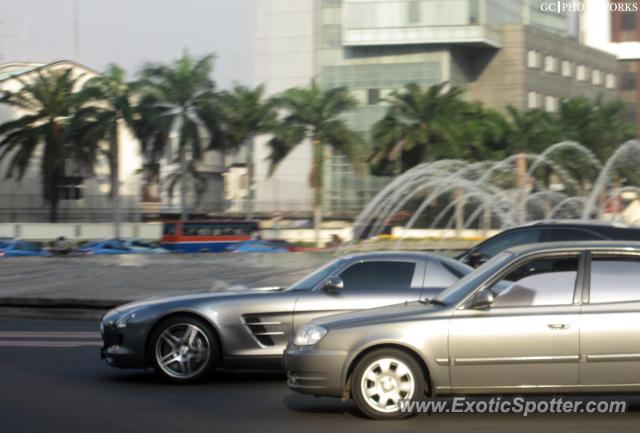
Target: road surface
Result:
[[52, 380]]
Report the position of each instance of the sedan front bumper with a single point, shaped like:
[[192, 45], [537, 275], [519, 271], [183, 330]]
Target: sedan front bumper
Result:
[[315, 371]]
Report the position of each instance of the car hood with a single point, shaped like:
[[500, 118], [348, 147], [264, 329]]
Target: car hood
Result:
[[221, 296], [393, 313]]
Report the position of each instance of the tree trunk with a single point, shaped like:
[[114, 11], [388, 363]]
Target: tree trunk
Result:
[[53, 197], [521, 184], [54, 168], [184, 179], [114, 160], [317, 184], [459, 210], [250, 179], [486, 220]]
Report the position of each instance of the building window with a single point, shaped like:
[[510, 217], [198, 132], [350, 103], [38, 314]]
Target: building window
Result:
[[474, 11], [551, 104], [610, 81], [628, 21], [628, 80], [532, 59], [330, 36], [624, 24], [533, 100], [373, 96], [413, 12], [566, 68], [596, 77], [581, 73], [550, 64]]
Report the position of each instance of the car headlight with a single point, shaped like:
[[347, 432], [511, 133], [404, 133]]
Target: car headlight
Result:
[[123, 321], [309, 334]]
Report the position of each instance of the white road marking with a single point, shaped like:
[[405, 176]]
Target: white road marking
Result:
[[49, 339], [48, 334], [50, 343]]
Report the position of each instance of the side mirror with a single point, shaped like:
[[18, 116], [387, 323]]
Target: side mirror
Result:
[[481, 300], [333, 285], [475, 259]]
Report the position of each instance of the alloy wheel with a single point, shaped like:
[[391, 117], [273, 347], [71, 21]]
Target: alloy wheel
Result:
[[182, 351]]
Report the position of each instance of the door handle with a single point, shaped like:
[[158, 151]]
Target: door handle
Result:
[[556, 326]]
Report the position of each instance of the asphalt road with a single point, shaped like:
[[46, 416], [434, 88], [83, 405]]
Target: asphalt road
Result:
[[52, 380]]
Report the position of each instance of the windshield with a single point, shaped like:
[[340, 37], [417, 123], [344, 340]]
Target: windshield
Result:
[[312, 280], [460, 288]]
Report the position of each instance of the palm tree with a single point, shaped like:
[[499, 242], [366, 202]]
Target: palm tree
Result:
[[49, 100], [530, 130], [313, 113], [416, 119], [101, 122], [184, 95], [153, 133], [599, 126], [246, 113]]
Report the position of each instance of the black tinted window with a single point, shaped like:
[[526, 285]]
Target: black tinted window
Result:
[[615, 279], [507, 240], [169, 229], [558, 235], [539, 282], [378, 276]]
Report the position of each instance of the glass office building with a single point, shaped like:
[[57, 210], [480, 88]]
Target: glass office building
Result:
[[374, 47]]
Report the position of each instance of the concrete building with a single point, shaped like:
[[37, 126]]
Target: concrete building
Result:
[[84, 196], [614, 26], [23, 200], [503, 52]]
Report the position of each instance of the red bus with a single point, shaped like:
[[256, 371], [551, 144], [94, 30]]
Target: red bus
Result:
[[206, 236]]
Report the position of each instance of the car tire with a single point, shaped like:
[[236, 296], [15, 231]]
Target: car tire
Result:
[[184, 349], [382, 376]]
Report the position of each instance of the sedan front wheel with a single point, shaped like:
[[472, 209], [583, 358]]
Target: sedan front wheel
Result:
[[382, 379], [183, 349]]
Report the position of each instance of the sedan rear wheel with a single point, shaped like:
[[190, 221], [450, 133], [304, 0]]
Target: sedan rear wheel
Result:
[[184, 350], [382, 379]]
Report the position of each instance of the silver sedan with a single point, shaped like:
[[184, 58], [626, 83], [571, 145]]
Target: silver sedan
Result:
[[557, 317], [186, 337]]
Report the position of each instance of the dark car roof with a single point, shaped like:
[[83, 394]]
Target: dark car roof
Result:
[[605, 229], [581, 223], [575, 245]]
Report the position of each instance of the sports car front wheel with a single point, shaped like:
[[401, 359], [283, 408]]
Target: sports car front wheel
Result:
[[183, 349]]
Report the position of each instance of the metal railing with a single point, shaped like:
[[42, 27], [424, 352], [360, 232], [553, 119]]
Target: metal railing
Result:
[[99, 208]]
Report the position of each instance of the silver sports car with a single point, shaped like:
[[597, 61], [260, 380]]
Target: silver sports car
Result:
[[557, 317], [186, 337]]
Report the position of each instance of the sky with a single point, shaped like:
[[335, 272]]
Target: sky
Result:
[[131, 33]]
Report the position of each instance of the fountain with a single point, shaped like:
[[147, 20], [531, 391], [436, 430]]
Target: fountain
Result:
[[500, 194]]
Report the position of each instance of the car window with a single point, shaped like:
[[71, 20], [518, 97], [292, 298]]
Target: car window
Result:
[[443, 273], [460, 289], [549, 281], [561, 234], [314, 278], [507, 240], [169, 229], [614, 279], [378, 275]]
